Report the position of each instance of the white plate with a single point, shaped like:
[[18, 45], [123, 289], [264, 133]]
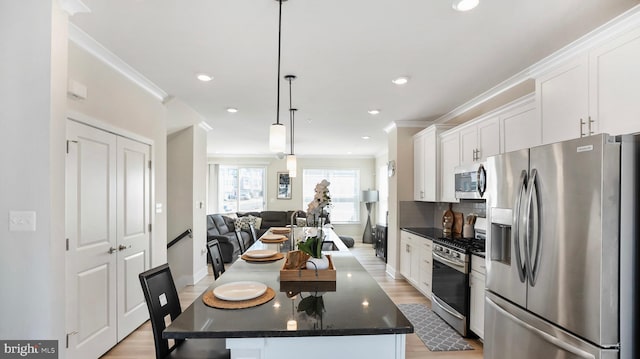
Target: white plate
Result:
[[236, 291], [261, 253]]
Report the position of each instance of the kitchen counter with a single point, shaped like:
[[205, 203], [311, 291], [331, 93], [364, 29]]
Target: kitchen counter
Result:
[[426, 232], [355, 308]]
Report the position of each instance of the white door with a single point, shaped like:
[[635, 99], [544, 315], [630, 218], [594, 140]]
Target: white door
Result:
[[91, 234], [488, 138], [468, 145], [133, 232]]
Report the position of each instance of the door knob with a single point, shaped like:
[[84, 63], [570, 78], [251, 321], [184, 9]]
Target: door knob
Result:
[[111, 250], [123, 247]]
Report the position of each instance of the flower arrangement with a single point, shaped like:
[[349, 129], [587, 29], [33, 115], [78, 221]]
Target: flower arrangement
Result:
[[312, 244], [321, 200]]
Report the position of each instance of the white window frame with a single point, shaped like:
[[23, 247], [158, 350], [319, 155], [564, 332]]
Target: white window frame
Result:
[[220, 189], [312, 176]]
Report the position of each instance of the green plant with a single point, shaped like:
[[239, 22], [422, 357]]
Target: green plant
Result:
[[312, 305], [312, 246]]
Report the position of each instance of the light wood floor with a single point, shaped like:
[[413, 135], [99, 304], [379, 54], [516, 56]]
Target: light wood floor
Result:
[[139, 344]]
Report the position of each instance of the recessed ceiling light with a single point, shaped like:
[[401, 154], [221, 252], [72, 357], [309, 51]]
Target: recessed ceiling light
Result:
[[374, 112], [366, 137], [204, 77], [464, 5], [232, 110], [400, 80]]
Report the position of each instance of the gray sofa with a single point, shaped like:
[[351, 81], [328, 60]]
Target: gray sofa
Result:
[[222, 228]]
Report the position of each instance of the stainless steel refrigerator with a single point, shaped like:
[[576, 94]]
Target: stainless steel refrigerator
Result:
[[562, 248]]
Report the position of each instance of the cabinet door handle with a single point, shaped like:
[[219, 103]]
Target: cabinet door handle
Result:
[[582, 123], [590, 122]]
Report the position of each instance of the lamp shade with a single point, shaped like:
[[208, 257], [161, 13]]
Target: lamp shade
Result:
[[292, 165], [370, 196], [277, 138]]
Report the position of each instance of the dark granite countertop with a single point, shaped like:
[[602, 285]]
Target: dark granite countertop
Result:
[[427, 232], [357, 306]]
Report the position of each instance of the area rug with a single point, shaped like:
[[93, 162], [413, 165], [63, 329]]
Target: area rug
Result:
[[433, 331]]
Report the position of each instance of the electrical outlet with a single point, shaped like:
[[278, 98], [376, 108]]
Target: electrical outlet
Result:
[[22, 221]]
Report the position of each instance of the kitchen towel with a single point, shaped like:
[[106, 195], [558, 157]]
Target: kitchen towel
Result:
[[433, 331]]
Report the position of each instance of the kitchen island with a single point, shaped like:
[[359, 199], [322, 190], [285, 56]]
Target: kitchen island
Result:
[[358, 319]]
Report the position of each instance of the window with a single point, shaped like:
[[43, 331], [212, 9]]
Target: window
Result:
[[241, 189], [344, 191]]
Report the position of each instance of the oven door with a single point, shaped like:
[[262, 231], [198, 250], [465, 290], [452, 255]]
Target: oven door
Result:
[[450, 284]]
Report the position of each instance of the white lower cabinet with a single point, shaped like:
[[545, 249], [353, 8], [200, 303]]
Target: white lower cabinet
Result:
[[415, 261], [477, 284]]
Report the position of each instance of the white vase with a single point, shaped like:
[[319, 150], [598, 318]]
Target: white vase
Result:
[[318, 263]]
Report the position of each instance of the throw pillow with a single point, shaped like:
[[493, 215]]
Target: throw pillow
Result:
[[243, 222]]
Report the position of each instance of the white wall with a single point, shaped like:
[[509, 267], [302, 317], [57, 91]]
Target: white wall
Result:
[[33, 68], [117, 104], [186, 197], [400, 189], [274, 165]]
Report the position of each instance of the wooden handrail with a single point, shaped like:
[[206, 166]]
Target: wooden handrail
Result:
[[178, 238]]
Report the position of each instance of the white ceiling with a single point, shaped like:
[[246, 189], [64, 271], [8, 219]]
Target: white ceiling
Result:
[[345, 54]]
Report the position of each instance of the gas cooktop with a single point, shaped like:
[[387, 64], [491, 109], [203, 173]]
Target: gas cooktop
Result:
[[466, 245]]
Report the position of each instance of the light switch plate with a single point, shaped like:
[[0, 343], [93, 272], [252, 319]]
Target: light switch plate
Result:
[[22, 221]]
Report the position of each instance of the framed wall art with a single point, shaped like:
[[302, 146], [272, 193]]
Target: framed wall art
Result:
[[284, 185]]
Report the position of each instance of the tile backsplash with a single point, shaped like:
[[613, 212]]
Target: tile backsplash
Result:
[[429, 214]]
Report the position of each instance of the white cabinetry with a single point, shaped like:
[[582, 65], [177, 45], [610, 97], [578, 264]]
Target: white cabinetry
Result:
[[520, 125], [418, 166], [480, 140], [426, 156], [449, 159], [615, 84], [415, 261], [477, 284], [563, 102]]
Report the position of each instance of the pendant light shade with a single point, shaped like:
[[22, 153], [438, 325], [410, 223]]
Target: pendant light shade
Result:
[[277, 138], [277, 132], [291, 157], [292, 165]]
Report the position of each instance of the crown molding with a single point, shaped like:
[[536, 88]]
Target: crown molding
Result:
[[89, 44], [615, 27]]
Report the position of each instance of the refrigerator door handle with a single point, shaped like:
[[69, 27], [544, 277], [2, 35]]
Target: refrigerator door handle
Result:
[[545, 336], [532, 240], [515, 233], [481, 180]]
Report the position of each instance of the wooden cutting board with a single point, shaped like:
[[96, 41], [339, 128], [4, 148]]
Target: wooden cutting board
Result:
[[458, 221]]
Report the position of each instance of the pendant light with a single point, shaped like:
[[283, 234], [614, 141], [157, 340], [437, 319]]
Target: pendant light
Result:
[[291, 157], [277, 131]]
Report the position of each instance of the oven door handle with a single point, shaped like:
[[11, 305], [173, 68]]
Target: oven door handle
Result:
[[445, 260], [443, 307]]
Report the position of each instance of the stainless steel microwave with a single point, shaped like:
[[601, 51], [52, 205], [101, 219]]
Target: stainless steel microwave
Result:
[[471, 181]]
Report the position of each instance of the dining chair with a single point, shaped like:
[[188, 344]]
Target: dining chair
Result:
[[252, 231], [215, 256], [240, 240], [162, 301]]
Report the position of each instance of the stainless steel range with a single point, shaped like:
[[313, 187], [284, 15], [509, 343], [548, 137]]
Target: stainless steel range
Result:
[[450, 282]]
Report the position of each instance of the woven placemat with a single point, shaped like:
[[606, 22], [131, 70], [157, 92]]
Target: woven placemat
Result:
[[281, 240], [280, 230], [210, 299], [274, 257]]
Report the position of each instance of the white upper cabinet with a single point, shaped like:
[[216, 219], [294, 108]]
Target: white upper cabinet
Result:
[[480, 140], [563, 102], [520, 126], [426, 176], [615, 84], [449, 159], [418, 166]]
